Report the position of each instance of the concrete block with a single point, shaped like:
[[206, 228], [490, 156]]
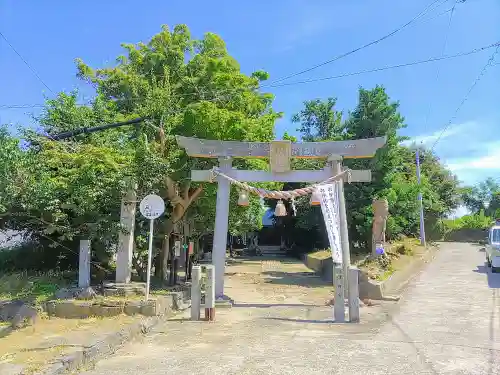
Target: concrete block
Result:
[[96, 310], [70, 310], [165, 304], [108, 311], [132, 307], [148, 308], [119, 304], [50, 308]]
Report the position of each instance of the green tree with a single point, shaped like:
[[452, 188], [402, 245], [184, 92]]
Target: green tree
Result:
[[319, 121], [475, 198], [181, 86], [393, 169]]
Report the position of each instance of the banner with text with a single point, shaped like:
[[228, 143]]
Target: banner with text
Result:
[[330, 208]]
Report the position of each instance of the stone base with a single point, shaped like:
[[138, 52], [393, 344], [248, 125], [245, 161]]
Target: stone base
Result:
[[157, 305], [219, 305], [74, 309], [112, 289], [223, 304]]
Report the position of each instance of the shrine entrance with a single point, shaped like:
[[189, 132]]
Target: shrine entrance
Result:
[[279, 154]]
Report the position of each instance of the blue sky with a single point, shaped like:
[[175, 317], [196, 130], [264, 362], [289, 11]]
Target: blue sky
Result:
[[282, 40]]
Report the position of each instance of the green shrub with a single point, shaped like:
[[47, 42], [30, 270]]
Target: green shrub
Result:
[[36, 286], [32, 256], [474, 221], [403, 249], [383, 261]]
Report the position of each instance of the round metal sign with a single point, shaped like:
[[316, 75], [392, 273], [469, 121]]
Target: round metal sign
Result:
[[152, 206]]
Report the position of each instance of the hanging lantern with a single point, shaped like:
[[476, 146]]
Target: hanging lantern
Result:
[[315, 199], [280, 209], [243, 199]]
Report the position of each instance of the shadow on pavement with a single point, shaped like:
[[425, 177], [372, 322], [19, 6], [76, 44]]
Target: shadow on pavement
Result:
[[268, 305], [258, 258], [492, 278], [304, 279], [316, 321]]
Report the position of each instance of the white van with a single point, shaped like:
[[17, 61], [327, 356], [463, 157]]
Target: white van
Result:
[[493, 249]]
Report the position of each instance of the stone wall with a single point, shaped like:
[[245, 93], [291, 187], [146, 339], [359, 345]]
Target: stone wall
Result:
[[321, 266], [372, 289]]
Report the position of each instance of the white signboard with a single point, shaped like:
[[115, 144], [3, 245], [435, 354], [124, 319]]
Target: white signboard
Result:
[[152, 206], [330, 207]]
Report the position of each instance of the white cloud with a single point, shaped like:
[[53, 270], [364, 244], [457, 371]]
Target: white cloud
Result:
[[490, 159], [451, 131], [471, 149], [459, 212]]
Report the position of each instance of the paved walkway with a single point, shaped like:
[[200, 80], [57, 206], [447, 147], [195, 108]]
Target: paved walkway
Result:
[[447, 323]]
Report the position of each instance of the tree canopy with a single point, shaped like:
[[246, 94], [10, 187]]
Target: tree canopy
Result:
[[393, 170], [483, 196], [180, 86]]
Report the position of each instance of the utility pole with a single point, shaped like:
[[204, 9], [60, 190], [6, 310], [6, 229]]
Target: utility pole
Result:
[[422, 227]]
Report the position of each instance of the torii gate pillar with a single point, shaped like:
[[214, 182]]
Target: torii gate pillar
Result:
[[221, 227]]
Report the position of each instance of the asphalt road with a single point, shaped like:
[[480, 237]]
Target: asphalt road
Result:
[[446, 323]]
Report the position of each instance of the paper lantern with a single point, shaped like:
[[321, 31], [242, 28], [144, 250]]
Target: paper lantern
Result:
[[315, 199], [280, 209], [243, 199]]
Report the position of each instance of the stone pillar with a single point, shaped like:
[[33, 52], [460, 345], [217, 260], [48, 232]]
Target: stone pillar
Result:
[[338, 283], [353, 279], [221, 226], [210, 293], [126, 237], [84, 264], [380, 213], [196, 293]]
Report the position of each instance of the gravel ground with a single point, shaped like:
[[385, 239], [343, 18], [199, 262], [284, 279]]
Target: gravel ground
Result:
[[446, 323]]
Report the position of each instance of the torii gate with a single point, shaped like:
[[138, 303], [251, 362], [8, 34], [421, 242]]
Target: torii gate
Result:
[[279, 153]]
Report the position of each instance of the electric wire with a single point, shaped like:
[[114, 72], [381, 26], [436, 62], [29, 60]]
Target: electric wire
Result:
[[349, 74], [373, 42], [25, 62]]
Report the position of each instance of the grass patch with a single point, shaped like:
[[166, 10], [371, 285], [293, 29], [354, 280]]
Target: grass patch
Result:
[[321, 254], [37, 346], [36, 288], [397, 255]]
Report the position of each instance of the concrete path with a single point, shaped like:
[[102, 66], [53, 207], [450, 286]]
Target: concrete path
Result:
[[447, 323]]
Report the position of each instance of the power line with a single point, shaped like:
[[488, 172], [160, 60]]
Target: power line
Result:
[[421, 14], [25, 62], [233, 91], [443, 50], [476, 81], [417, 154], [434, 59]]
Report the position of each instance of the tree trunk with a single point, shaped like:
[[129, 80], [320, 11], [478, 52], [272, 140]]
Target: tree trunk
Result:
[[180, 203], [138, 266]]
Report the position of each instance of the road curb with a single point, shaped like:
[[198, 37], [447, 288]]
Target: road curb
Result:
[[106, 346]]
